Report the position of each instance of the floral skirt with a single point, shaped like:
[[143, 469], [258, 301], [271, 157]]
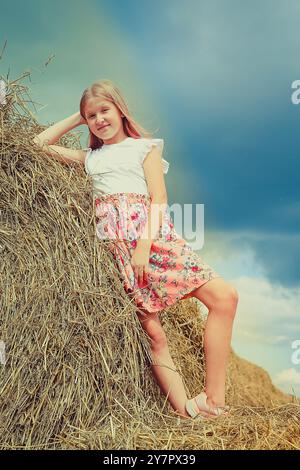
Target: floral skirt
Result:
[[174, 269]]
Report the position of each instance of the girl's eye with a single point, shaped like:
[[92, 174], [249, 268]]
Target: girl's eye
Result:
[[93, 115]]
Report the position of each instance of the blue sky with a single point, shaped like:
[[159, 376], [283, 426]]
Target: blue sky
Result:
[[214, 76]]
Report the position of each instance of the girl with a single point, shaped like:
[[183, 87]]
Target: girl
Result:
[[158, 268]]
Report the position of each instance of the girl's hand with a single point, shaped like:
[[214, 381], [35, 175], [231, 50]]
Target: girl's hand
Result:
[[140, 263]]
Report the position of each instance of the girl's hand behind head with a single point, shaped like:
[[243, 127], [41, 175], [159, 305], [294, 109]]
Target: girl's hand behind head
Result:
[[82, 120]]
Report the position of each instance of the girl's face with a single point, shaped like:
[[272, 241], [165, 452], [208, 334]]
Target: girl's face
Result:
[[104, 119]]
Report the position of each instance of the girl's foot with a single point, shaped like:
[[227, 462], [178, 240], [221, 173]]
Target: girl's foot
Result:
[[199, 406]]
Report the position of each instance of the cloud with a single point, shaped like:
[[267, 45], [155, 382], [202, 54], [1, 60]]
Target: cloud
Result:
[[262, 307], [287, 376], [279, 255], [260, 337]]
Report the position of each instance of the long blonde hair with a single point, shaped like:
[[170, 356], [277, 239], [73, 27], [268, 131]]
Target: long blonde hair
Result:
[[107, 90]]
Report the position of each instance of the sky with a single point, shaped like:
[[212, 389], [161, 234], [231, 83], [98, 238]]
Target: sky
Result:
[[214, 77]]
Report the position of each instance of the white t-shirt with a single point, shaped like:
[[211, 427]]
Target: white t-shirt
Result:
[[118, 168]]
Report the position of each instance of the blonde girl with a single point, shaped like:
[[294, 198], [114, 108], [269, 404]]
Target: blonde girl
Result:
[[158, 267]]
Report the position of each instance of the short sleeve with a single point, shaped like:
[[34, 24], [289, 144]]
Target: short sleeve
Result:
[[147, 147], [89, 151]]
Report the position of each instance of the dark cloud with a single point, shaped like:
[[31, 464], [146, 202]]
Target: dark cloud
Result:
[[280, 258]]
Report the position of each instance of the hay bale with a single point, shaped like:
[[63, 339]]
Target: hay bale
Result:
[[77, 372]]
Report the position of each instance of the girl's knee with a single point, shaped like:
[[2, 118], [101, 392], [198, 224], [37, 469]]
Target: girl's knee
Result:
[[155, 331], [227, 294], [233, 295], [159, 342], [226, 300], [157, 336]]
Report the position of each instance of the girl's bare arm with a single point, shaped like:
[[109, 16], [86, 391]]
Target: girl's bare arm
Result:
[[49, 136]]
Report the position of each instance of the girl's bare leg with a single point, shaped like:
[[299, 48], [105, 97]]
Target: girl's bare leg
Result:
[[163, 367], [221, 299]]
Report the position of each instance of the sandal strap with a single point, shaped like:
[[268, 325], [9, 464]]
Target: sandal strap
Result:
[[192, 408], [198, 404], [201, 401]]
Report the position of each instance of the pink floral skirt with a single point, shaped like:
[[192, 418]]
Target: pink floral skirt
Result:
[[174, 269]]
